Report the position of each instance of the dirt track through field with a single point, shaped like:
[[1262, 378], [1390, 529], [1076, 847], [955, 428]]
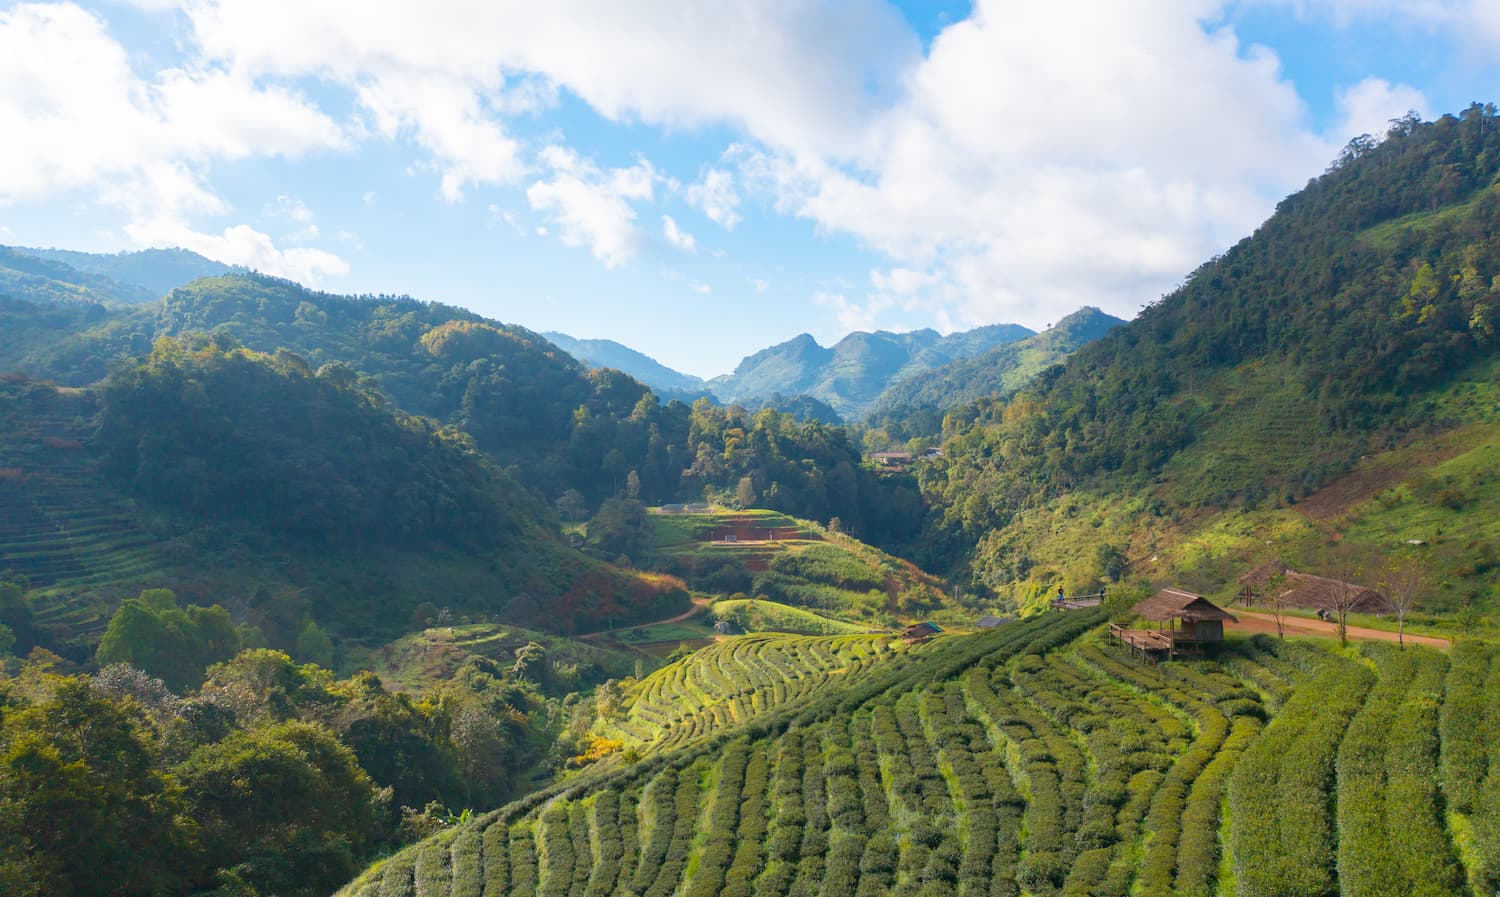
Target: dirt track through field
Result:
[[1250, 621], [699, 606]]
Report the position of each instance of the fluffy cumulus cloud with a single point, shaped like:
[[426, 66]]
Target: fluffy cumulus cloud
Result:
[[92, 126], [784, 70], [591, 207], [1048, 156], [1034, 157], [1369, 106], [244, 245], [89, 121]]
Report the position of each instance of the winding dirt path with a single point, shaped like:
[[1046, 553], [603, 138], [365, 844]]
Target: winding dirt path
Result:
[[699, 606], [1252, 621]]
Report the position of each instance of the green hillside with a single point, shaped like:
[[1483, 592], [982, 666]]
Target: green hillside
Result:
[[27, 276], [422, 661], [156, 271], [1034, 760], [604, 353], [732, 681], [248, 480], [770, 556], [1356, 321], [560, 429]]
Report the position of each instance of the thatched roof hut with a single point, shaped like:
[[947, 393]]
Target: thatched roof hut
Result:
[[1176, 604], [1316, 592]]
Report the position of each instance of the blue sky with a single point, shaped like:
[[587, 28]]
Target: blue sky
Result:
[[700, 181]]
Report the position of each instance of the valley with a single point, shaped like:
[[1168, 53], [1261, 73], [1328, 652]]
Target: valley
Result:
[[305, 593]]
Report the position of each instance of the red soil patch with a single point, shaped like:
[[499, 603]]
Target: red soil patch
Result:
[[1371, 477]]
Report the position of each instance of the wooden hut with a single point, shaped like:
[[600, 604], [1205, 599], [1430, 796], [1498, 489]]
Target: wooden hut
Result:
[[1311, 592], [1184, 623], [920, 632]]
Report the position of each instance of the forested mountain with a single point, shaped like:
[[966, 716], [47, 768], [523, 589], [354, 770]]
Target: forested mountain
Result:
[[288, 494], [850, 375], [998, 372], [157, 271], [557, 426], [1340, 328], [605, 353], [45, 280]]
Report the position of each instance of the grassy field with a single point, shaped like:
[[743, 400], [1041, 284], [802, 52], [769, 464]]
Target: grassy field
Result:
[[764, 555], [768, 616], [1036, 759]]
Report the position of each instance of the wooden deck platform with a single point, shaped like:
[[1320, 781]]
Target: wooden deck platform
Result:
[[1160, 644]]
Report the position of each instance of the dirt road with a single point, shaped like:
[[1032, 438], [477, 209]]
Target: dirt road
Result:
[[1251, 621], [699, 605]]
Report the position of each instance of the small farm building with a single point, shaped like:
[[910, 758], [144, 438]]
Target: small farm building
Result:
[[1311, 592], [920, 632], [1184, 623]]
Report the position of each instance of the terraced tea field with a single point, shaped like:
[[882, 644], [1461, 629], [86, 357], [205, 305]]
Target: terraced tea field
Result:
[[1029, 760], [732, 681], [61, 526]]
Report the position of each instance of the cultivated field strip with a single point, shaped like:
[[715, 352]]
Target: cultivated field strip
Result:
[[729, 682], [1033, 760]]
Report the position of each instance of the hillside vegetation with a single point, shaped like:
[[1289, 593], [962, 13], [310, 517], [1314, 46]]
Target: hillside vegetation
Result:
[[1339, 329], [253, 481], [763, 555]]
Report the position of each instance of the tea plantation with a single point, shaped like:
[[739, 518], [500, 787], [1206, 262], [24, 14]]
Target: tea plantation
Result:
[[1034, 759]]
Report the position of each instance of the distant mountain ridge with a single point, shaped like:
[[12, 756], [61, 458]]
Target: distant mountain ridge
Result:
[[156, 271], [853, 373], [606, 353], [47, 281], [997, 372]]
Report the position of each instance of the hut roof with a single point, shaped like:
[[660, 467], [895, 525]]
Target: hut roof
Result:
[[921, 630], [1263, 573], [1309, 591], [1306, 590], [990, 621], [1175, 604]]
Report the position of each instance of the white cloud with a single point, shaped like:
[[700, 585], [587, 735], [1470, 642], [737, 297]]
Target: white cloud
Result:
[[91, 123], [145, 145], [591, 207], [676, 236], [850, 313], [1048, 156], [1369, 106], [1474, 21], [243, 245], [760, 285], [291, 208], [700, 287], [449, 120], [715, 196], [789, 72]]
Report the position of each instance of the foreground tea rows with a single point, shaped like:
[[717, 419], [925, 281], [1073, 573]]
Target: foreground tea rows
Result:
[[1029, 760]]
